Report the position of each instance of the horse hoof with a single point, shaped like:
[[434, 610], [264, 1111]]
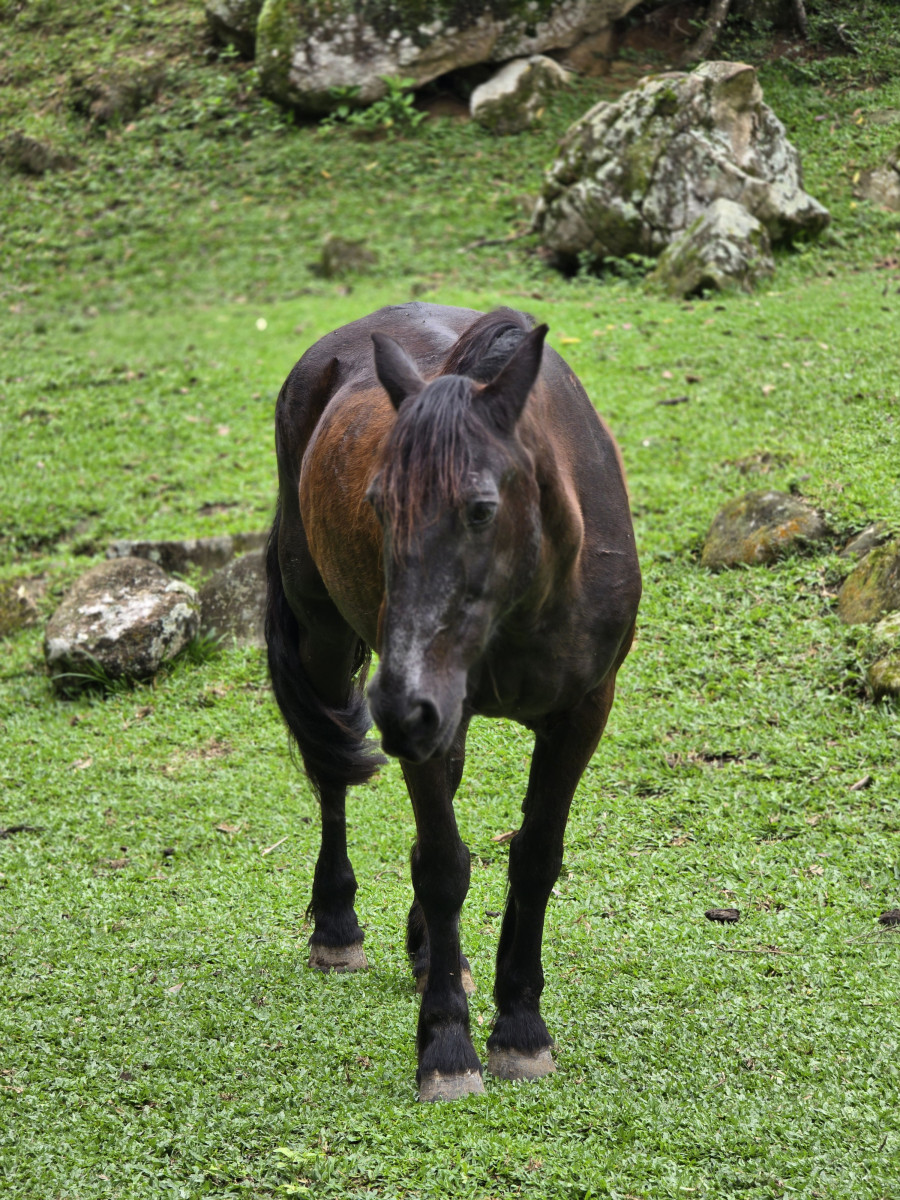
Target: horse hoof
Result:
[[338, 958], [467, 981], [521, 1064], [437, 1086]]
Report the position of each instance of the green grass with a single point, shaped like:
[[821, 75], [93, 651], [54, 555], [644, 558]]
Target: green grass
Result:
[[160, 1034]]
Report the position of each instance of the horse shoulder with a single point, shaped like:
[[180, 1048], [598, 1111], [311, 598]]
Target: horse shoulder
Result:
[[343, 533]]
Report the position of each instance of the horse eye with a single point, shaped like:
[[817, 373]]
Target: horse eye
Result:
[[480, 513]]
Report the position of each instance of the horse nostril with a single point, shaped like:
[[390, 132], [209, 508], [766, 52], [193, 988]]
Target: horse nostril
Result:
[[422, 718]]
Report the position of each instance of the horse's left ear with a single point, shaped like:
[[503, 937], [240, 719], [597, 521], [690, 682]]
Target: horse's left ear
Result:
[[396, 371], [504, 397]]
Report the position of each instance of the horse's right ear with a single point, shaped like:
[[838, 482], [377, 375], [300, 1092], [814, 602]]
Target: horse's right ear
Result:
[[504, 397], [396, 371]]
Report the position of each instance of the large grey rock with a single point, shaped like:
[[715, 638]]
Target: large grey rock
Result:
[[307, 48], [881, 184], [205, 554], [510, 101], [233, 601], [633, 174], [872, 589], [725, 249], [234, 22], [122, 619], [760, 527]]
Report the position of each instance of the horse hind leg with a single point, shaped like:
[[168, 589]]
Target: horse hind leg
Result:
[[317, 664]]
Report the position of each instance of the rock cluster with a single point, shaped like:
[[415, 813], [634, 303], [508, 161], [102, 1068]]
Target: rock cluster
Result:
[[634, 175], [125, 618], [760, 527]]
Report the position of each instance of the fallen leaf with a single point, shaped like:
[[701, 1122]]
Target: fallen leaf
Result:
[[82, 764], [224, 827], [175, 989], [506, 836], [861, 783]]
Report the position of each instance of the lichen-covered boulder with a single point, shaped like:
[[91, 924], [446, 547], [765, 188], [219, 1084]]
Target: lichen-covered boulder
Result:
[[872, 588], [233, 601], [305, 49], [511, 100], [632, 175], [204, 554], [881, 184], [883, 675], [726, 249], [234, 22], [760, 527], [122, 619]]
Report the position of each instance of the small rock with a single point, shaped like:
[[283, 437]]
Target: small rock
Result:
[[725, 249], [177, 557], [881, 185], [343, 257], [18, 609], [512, 99], [725, 916], [233, 601], [861, 543], [873, 587], [29, 156], [760, 527], [122, 619]]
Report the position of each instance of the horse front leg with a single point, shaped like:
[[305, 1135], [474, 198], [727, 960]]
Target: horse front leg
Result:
[[448, 1066], [519, 1046]]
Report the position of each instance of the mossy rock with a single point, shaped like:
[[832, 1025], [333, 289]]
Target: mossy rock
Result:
[[760, 527], [873, 587], [725, 249], [233, 22], [663, 153], [308, 51]]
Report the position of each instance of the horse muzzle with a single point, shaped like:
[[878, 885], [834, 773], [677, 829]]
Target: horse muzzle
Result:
[[415, 724]]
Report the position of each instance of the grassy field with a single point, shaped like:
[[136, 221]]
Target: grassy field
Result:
[[160, 1034]]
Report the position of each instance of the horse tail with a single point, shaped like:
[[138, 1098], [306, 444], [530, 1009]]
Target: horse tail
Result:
[[331, 741]]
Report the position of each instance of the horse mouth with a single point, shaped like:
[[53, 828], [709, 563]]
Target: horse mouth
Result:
[[415, 731], [417, 749]]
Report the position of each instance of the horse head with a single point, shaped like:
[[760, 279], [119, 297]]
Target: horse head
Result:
[[459, 507]]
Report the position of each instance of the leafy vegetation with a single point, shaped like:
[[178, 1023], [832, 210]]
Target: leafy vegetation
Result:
[[160, 1033]]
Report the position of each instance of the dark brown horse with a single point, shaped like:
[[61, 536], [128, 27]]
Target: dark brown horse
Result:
[[448, 497]]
